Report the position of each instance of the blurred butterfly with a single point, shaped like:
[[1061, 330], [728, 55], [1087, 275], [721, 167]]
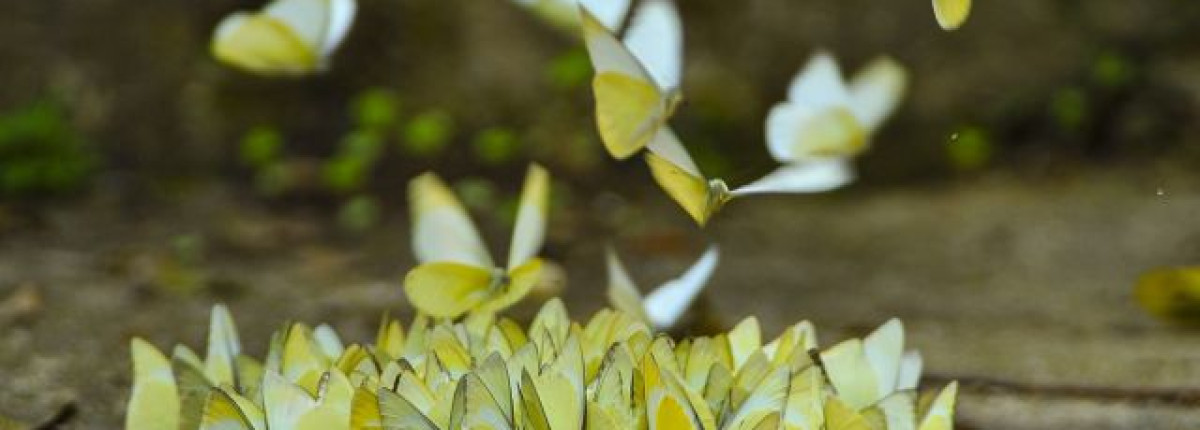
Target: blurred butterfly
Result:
[[814, 134], [666, 304], [457, 274], [951, 14], [289, 37], [564, 14], [637, 78], [1172, 294]]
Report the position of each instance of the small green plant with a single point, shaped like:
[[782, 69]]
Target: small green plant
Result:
[[359, 214], [570, 70], [376, 108], [41, 153], [969, 149], [428, 133], [496, 146], [261, 146]]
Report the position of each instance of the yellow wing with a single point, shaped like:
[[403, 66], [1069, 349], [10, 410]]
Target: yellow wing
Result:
[[691, 192], [629, 111], [622, 292], [154, 403], [1172, 294], [446, 289], [530, 229], [839, 416], [364, 411], [521, 280], [262, 44], [667, 407], [941, 414], [630, 107], [442, 231], [223, 347], [223, 412], [951, 14], [398, 413]]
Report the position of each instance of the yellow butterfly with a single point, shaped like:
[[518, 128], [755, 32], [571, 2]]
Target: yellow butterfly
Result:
[[289, 37], [637, 79], [457, 274], [951, 14], [823, 124], [663, 307], [864, 372], [1172, 294]]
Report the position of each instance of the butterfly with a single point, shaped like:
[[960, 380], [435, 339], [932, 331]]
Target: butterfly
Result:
[[824, 123], [457, 274], [663, 307], [288, 37], [951, 14], [1172, 294], [637, 78]]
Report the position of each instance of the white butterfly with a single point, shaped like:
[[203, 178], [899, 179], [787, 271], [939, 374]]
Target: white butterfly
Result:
[[824, 123], [666, 304], [289, 37], [637, 78]]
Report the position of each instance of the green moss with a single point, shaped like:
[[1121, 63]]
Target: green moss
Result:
[[969, 149], [41, 153], [376, 108], [261, 146], [496, 146], [428, 134]]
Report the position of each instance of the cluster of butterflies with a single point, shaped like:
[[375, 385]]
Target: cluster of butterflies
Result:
[[487, 373], [456, 274], [298, 37]]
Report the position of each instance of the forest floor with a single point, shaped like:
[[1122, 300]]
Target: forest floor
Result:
[[1018, 287]]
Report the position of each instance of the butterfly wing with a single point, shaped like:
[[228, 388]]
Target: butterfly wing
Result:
[[884, 349], [941, 415], [622, 292], [666, 304], [447, 289], [876, 90], [655, 38], [530, 229], [678, 175], [609, 13], [154, 402], [262, 44], [629, 105], [811, 177], [442, 231], [951, 14]]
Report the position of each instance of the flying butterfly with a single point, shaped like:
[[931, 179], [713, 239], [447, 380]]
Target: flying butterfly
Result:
[[288, 37], [824, 123], [457, 274], [637, 78], [951, 14], [564, 14], [666, 304]]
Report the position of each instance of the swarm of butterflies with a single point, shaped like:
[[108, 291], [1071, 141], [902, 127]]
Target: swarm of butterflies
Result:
[[485, 372], [460, 365]]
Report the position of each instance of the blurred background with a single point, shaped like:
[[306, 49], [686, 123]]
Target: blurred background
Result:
[[1044, 158]]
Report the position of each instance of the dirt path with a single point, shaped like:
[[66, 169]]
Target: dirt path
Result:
[[1020, 287]]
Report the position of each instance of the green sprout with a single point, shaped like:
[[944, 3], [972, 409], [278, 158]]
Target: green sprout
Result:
[[41, 153], [570, 70], [359, 214], [969, 149], [261, 146], [496, 146], [376, 108], [1069, 107], [428, 133]]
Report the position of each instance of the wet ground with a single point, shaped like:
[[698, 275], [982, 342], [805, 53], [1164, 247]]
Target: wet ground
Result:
[[1018, 285]]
